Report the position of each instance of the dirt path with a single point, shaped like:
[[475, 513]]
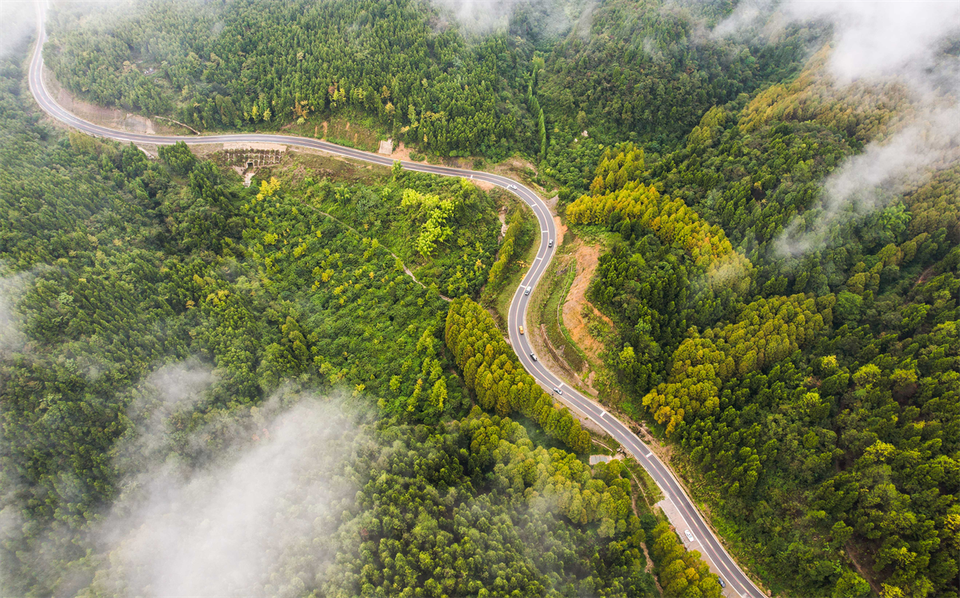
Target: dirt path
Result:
[[502, 216], [587, 257], [856, 558]]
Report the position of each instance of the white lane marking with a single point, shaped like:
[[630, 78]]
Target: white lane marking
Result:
[[648, 455], [544, 231]]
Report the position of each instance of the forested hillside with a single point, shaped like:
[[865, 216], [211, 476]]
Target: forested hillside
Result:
[[786, 324], [410, 69], [277, 62], [646, 73], [166, 336], [813, 384]]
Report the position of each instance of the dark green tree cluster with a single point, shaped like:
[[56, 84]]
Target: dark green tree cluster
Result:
[[534, 104], [645, 73], [647, 286], [473, 508], [78, 233], [492, 371], [638, 71], [754, 168], [278, 62], [108, 75]]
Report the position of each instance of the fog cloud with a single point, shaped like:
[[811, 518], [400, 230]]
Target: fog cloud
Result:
[[747, 15], [210, 502], [881, 39], [870, 38], [258, 517], [17, 23], [876, 42], [870, 180], [552, 17], [12, 287], [172, 389]]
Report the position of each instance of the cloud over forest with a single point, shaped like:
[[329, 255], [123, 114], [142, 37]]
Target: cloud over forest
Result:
[[257, 512], [12, 287], [552, 17], [874, 43]]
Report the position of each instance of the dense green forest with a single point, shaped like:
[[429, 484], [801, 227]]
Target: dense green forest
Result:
[[119, 269], [816, 392], [805, 362], [412, 72]]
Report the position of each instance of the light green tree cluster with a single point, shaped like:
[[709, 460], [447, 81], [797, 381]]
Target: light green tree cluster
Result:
[[682, 573], [435, 229], [499, 268], [767, 331], [492, 371]]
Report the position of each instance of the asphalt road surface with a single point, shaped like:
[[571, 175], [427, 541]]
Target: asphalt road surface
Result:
[[704, 539]]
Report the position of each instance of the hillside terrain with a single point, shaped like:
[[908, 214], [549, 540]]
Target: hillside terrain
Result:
[[814, 388], [312, 361], [182, 324], [407, 69]]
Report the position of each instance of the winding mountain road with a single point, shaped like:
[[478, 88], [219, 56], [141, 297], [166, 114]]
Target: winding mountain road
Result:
[[738, 584]]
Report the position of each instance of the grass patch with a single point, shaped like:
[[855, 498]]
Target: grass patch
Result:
[[297, 166], [359, 134], [651, 492], [351, 130], [556, 331], [537, 435], [546, 306], [594, 234], [606, 446]]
